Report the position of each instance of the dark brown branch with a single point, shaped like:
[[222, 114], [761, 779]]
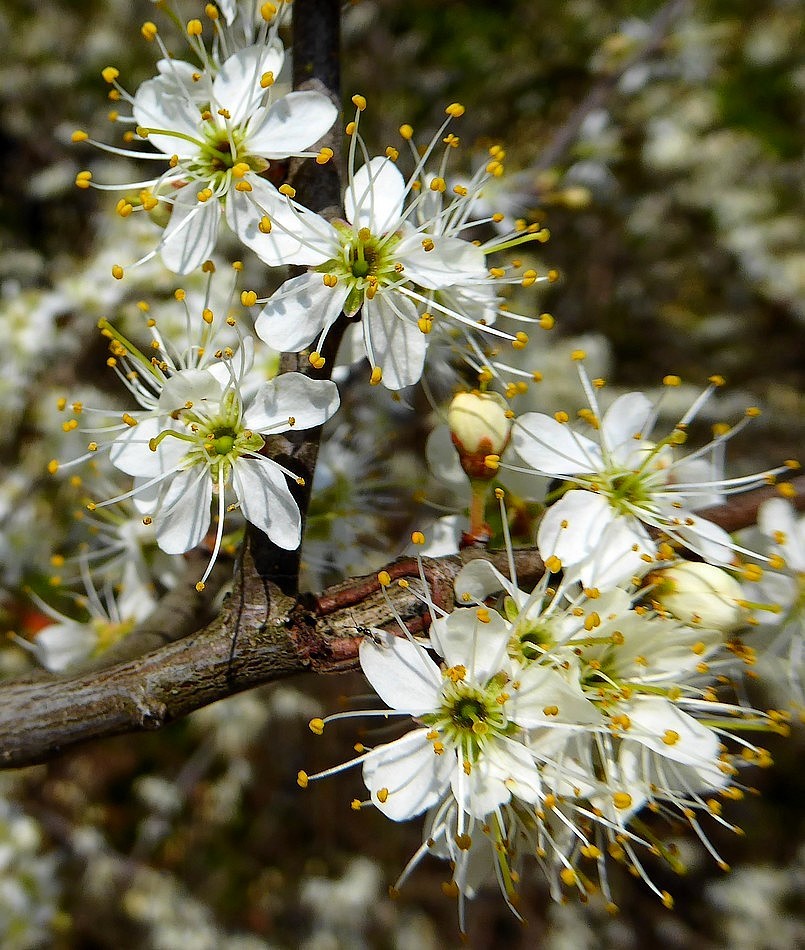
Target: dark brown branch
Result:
[[276, 636], [261, 635], [316, 59]]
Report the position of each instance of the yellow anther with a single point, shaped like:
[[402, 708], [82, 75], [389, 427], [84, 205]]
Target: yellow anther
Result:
[[455, 109], [427, 244], [149, 31], [553, 564], [529, 278], [497, 272], [551, 710], [248, 298], [377, 375], [287, 190], [243, 186], [568, 875], [417, 537], [302, 779], [392, 153], [382, 795], [407, 132], [384, 578], [671, 380], [123, 208], [239, 169], [787, 490], [438, 184], [129, 419], [110, 74], [53, 466], [753, 412], [483, 615], [207, 315], [329, 280], [212, 11], [194, 27], [117, 272], [268, 11], [492, 462], [200, 585], [264, 225], [204, 195], [670, 737], [316, 360], [425, 323], [578, 355], [621, 800], [561, 417], [79, 136], [520, 340], [316, 726], [82, 179], [324, 156]]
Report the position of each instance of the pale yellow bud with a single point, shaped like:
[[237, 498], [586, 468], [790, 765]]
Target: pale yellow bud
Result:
[[479, 426], [700, 594]]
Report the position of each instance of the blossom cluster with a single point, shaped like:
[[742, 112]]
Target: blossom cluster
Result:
[[543, 720]]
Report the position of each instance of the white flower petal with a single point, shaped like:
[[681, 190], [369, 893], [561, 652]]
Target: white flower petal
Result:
[[131, 454], [777, 515], [237, 86], [504, 768], [192, 386], [393, 340], [309, 402], [412, 776], [571, 529], [552, 448], [541, 688], [478, 579], [654, 719], [374, 197], [267, 502], [183, 515], [464, 640], [402, 674], [192, 231], [627, 417], [62, 645], [298, 312], [292, 124], [155, 107], [450, 261], [705, 538], [296, 237], [619, 554], [443, 461]]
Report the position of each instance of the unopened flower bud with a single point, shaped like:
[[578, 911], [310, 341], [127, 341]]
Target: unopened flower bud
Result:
[[700, 594], [480, 427]]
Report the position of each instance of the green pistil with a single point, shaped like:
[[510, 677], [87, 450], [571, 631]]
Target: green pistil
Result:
[[223, 441]]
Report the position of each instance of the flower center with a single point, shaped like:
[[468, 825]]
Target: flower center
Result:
[[470, 715], [365, 262]]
